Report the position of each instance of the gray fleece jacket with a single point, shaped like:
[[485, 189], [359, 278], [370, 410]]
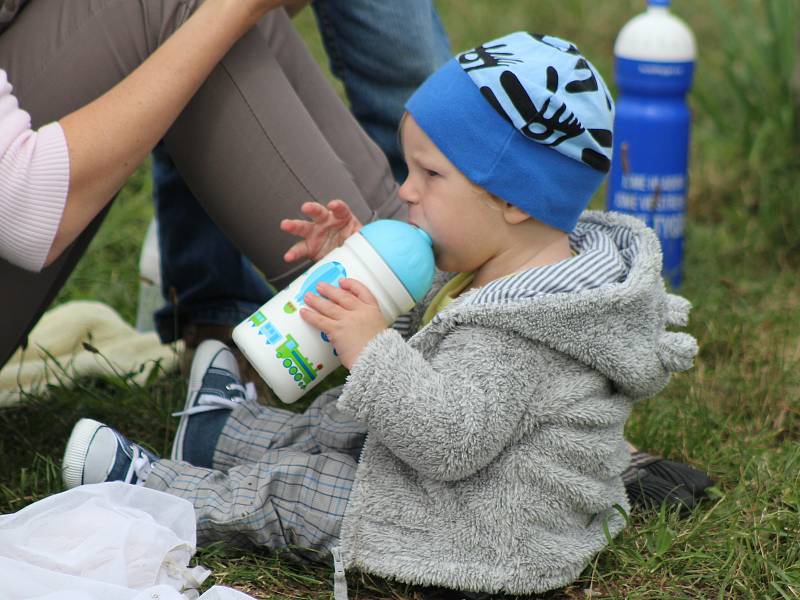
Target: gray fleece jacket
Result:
[[495, 441]]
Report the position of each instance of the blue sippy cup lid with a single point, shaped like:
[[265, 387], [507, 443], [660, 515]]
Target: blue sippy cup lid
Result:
[[407, 250]]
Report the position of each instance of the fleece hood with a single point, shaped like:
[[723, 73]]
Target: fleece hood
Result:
[[617, 324]]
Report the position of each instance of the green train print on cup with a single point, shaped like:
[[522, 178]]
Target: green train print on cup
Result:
[[393, 259]]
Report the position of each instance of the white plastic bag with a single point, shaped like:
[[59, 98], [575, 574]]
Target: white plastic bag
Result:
[[95, 542]]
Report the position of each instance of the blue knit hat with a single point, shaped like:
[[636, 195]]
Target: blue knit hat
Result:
[[525, 117]]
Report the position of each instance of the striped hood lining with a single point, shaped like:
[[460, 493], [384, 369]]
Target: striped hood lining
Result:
[[603, 257]]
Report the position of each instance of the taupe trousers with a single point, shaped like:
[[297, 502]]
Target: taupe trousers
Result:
[[264, 134]]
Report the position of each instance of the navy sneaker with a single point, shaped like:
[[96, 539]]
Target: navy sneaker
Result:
[[215, 388], [96, 453]]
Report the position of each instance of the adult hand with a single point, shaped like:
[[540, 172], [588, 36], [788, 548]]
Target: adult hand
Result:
[[328, 228], [349, 315]]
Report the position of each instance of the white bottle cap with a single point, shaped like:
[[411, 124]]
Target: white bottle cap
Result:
[[656, 35]]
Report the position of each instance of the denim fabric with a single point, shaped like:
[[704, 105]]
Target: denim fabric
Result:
[[382, 51]]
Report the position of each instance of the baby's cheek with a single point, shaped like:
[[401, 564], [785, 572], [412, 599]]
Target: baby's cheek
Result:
[[441, 260]]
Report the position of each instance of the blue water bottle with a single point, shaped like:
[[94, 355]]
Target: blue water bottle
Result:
[[654, 63]]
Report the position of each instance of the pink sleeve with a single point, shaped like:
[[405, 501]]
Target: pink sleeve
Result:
[[34, 181]]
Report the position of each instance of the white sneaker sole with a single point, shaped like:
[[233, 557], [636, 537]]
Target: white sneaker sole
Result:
[[204, 356], [75, 453]]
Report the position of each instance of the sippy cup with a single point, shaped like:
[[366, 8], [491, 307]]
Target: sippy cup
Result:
[[393, 259]]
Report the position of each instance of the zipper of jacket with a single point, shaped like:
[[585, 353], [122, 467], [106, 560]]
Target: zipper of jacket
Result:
[[339, 575], [339, 579]]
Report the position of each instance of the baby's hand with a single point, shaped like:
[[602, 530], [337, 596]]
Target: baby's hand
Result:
[[328, 228], [349, 316]]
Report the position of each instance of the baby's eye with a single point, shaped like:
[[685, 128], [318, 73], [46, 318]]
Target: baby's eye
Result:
[[431, 173]]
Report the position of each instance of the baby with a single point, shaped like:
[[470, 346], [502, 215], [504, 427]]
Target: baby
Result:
[[483, 453]]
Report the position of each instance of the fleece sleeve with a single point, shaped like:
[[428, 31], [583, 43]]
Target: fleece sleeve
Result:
[[447, 418], [34, 182]]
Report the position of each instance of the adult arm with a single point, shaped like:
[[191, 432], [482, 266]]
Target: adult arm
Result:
[[108, 138]]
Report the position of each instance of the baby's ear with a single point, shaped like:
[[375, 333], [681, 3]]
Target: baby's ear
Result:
[[514, 215]]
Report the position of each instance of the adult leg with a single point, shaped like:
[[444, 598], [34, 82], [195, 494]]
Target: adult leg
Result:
[[205, 279], [277, 153], [382, 52], [226, 127], [310, 94], [362, 38]]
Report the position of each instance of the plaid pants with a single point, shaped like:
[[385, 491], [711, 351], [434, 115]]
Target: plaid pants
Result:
[[279, 479]]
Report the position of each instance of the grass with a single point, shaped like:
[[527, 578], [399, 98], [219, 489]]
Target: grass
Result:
[[736, 414]]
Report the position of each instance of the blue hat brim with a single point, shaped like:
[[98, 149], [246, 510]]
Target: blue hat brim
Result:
[[493, 154]]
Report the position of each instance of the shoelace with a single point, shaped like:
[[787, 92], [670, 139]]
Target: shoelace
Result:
[[140, 466], [207, 402]]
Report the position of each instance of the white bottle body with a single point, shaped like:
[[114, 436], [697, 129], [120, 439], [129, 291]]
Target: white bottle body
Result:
[[291, 355]]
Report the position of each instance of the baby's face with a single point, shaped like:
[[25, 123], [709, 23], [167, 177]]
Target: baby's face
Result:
[[451, 209]]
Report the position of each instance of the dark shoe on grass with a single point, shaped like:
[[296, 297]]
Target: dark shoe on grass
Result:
[[652, 481], [695, 481], [648, 492]]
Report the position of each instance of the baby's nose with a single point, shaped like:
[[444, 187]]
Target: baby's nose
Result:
[[406, 191]]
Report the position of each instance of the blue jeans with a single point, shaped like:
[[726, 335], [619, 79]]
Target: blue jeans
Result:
[[381, 51]]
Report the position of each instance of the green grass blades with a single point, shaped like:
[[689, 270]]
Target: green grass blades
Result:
[[747, 94]]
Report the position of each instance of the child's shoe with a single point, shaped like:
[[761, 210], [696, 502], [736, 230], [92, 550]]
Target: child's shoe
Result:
[[96, 453], [646, 491], [215, 388], [695, 481], [651, 481]]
